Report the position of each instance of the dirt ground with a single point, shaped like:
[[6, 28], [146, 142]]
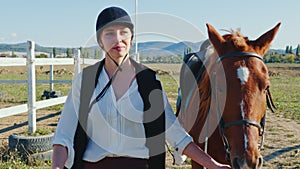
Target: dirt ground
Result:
[[281, 146]]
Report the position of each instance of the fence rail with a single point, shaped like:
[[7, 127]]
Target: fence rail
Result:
[[38, 81], [32, 105], [13, 62]]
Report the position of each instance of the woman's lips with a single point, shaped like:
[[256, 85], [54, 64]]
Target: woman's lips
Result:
[[118, 48]]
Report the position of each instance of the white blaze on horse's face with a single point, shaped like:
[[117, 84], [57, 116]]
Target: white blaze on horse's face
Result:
[[244, 127], [243, 74]]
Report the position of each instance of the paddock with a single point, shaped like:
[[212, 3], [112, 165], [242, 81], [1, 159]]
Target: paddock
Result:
[[282, 142]]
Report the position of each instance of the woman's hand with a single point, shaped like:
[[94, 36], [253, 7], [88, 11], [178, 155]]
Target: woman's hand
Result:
[[223, 166], [60, 156], [198, 155]]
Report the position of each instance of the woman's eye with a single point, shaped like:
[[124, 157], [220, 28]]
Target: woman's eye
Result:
[[110, 33], [125, 33]]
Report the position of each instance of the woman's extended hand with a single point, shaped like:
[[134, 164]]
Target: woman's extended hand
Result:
[[198, 155]]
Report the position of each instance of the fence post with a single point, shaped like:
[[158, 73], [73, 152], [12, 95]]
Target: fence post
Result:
[[31, 87], [76, 61], [51, 74]]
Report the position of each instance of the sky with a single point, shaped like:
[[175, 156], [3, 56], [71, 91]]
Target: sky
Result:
[[71, 23]]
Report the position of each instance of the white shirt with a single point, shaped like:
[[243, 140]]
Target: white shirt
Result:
[[114, 126]]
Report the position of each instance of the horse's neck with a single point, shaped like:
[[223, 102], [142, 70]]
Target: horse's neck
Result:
[[206, 112], [197, 108]]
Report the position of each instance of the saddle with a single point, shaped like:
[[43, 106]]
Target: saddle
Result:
[[191, 71]]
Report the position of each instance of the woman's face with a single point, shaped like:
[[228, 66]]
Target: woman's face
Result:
[[116, 40]]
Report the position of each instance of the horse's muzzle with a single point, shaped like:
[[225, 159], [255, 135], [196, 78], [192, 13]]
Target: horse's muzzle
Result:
[[238, 163]]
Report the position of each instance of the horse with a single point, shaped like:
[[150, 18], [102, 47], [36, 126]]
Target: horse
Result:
[[224, 90]]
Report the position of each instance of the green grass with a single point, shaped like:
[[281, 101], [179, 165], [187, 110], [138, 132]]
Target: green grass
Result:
[[170, 86], [38, 132], [10, 160], [17, 93], [285, 90], [286, 96]]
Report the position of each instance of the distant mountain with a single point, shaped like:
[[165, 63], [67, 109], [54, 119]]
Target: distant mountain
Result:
[[153, 44], [22, 47], [147, 49], [158, 48], [19, 47], [180, 47]]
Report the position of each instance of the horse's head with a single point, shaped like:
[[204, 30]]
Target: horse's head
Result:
[[247, 84]]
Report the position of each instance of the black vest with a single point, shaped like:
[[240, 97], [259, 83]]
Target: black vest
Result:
[[154, 115]]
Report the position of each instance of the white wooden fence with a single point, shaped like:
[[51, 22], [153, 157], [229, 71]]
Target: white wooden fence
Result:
[[31, 62]]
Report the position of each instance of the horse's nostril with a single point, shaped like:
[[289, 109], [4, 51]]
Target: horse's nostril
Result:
[[259, 162]]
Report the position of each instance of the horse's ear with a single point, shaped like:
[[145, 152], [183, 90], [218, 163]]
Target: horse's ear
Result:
[[215, 38], [264, 41]]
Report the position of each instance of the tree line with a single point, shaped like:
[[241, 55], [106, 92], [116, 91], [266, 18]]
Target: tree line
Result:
[[289, 56], [272, 56]]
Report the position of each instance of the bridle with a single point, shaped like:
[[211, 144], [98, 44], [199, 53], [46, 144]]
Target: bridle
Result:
[[222, 125]]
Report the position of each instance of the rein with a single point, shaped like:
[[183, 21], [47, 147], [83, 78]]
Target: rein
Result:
[[260, 125]]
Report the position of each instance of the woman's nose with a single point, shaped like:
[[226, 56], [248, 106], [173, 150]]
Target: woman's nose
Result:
[[118, 37]]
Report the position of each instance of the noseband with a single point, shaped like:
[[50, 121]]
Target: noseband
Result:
[[260, 125]]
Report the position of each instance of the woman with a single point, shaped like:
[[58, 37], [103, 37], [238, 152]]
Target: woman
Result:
[[116, 114]]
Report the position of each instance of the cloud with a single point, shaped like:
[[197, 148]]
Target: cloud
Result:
[[13, 34], [2, 38]]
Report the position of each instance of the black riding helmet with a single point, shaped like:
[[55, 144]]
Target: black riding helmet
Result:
[[113, 16]]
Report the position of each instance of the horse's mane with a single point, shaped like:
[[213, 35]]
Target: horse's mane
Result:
[[237, 38]]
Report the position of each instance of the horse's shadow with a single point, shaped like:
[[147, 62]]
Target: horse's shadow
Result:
[[6, 129], [280, 152]]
